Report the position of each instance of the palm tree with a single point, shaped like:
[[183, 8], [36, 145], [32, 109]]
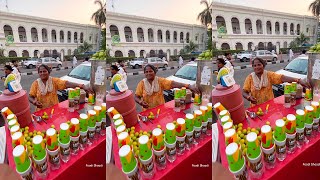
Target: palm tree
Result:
[[85, 47], [205, 15], [191, 47], [314, 7], [99, 17], [302, 39]]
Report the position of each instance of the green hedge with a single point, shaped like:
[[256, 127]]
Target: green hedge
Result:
[[184, 56], [222, 52], [9, 59], [115, 59], [295, 50], [79, 57]]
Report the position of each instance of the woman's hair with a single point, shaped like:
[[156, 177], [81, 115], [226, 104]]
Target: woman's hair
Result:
[[114, 67], [222, 61], [8, 67], [151, 66], [46, 67], [263, 62]]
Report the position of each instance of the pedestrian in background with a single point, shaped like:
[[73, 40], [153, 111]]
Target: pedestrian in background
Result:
[[74, 61], [290, 54], [180, 61], [16, 70]]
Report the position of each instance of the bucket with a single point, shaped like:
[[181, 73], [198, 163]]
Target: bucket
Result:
[[11, 99], [124, 103], [236, 106]]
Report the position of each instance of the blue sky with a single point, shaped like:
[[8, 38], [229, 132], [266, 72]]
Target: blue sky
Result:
[[187, 10], [78, 11]]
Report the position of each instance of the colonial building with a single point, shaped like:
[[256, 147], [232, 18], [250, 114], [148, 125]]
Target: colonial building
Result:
[[136, 36], [29, 36], [247, 28]]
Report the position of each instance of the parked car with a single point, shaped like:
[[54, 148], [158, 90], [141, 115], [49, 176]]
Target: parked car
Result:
[[244, 56], [80, 74], [265, 55], [136, 63], [186, 74], [155, 61], [30, 63], [297, 68], [49, 61]]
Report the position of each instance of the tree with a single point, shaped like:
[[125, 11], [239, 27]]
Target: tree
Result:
[[302, 39], [99, 17], [205, 15], [209, 41], [190, 47], [85, 47], [103, 45], [1, 52], [314, 7]]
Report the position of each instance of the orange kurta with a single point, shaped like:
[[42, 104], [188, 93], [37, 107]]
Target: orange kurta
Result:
[[157, 97], [265, 93], [51, 98]]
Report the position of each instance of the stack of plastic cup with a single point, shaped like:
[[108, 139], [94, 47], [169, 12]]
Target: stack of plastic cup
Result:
[[71, 99], [17, 139], [300, 118], [225, 119], [118, 123], [121, 129], [309, 110], [254, 155], [204, 111], [218, 107], [40, 156], [64, 142], [189, 130], [53, 148], [279, 138], [209, 106], [268, 147], [124, 139], [111, 112], [291, 133], [98, 119], [103, 118], [129, 162], [197, 125], [237, 163], [226, 126], [83, 120], [224, 113], [23, 163], [5, 112], [287, 95], [170, 142], [91, 126], [181, 135], [15, 128], [12, 123], [146, 157], [159, 148], [231, 136], [75, 135], [316, 115]]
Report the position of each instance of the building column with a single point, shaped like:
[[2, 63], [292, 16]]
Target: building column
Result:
[[58, 36], [28, 35], [229, 25], [122, 35], [280, 28], [49, 36], [155, 35], [254, 27], [134, 34], [242, 26], [15, 35], [145, 35]]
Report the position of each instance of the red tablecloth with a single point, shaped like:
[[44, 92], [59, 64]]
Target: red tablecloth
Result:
[[78, 166], [295, 166], [182, 167]]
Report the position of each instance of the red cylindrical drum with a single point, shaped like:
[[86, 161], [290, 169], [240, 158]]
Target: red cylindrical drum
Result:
[[231, 99], [124, 103], [18, 103]]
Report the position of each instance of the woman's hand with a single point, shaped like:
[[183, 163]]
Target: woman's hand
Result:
[[304, 82], [37, 103], [253, 100], [143, 103], [194, 89]]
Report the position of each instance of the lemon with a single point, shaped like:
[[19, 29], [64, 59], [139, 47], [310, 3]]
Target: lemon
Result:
[[253, 129], [240, 124], [42, 134], [241, 135], [235, 126], [30, 133], [133, 128], [140, 134], [131, 135], [136, 134], [135, 143], [34, 131], [259, 137], [174, 122], [28, 143], [22, 129], [244, 131], [44, 140], [243, 146], [133, 138], [27, 138], [135, 148], [52, 126], [257, 132], [159, 126], [242, 141], [25, 135], [38, 133], [140, 131], [244, 151], [137, 152], [150, 140], [31, 152], [268, 123], [239, 128], [26, 128], [145, 133], [29, 148], [132, 132]]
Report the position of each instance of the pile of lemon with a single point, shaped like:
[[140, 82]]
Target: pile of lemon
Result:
[[28, 135]]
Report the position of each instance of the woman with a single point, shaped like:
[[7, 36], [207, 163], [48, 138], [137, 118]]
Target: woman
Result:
[[9, 76], [43, 91], [222, 70], [115, 75], [257, 87], [149, 90]]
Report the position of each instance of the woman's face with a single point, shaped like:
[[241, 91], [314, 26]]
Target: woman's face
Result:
[[258, 67], [6, 71], [43, 73], [113, 71], [149, 73], [219, 64]]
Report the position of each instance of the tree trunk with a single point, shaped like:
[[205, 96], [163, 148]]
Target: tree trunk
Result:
[[99, 38], [316, 33]]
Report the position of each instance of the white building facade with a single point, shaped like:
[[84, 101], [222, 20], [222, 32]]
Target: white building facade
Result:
[[239, 27], [147, 37], [41, 37]]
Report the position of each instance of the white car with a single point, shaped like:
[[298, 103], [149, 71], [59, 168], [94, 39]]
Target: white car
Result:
[[136, 63], [30, 63], [80, 74], [187, 74], [297, 68], [244, 56]]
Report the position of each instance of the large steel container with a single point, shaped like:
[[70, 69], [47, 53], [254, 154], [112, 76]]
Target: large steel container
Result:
[[204, 77], [314, 74], [98, 80]]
